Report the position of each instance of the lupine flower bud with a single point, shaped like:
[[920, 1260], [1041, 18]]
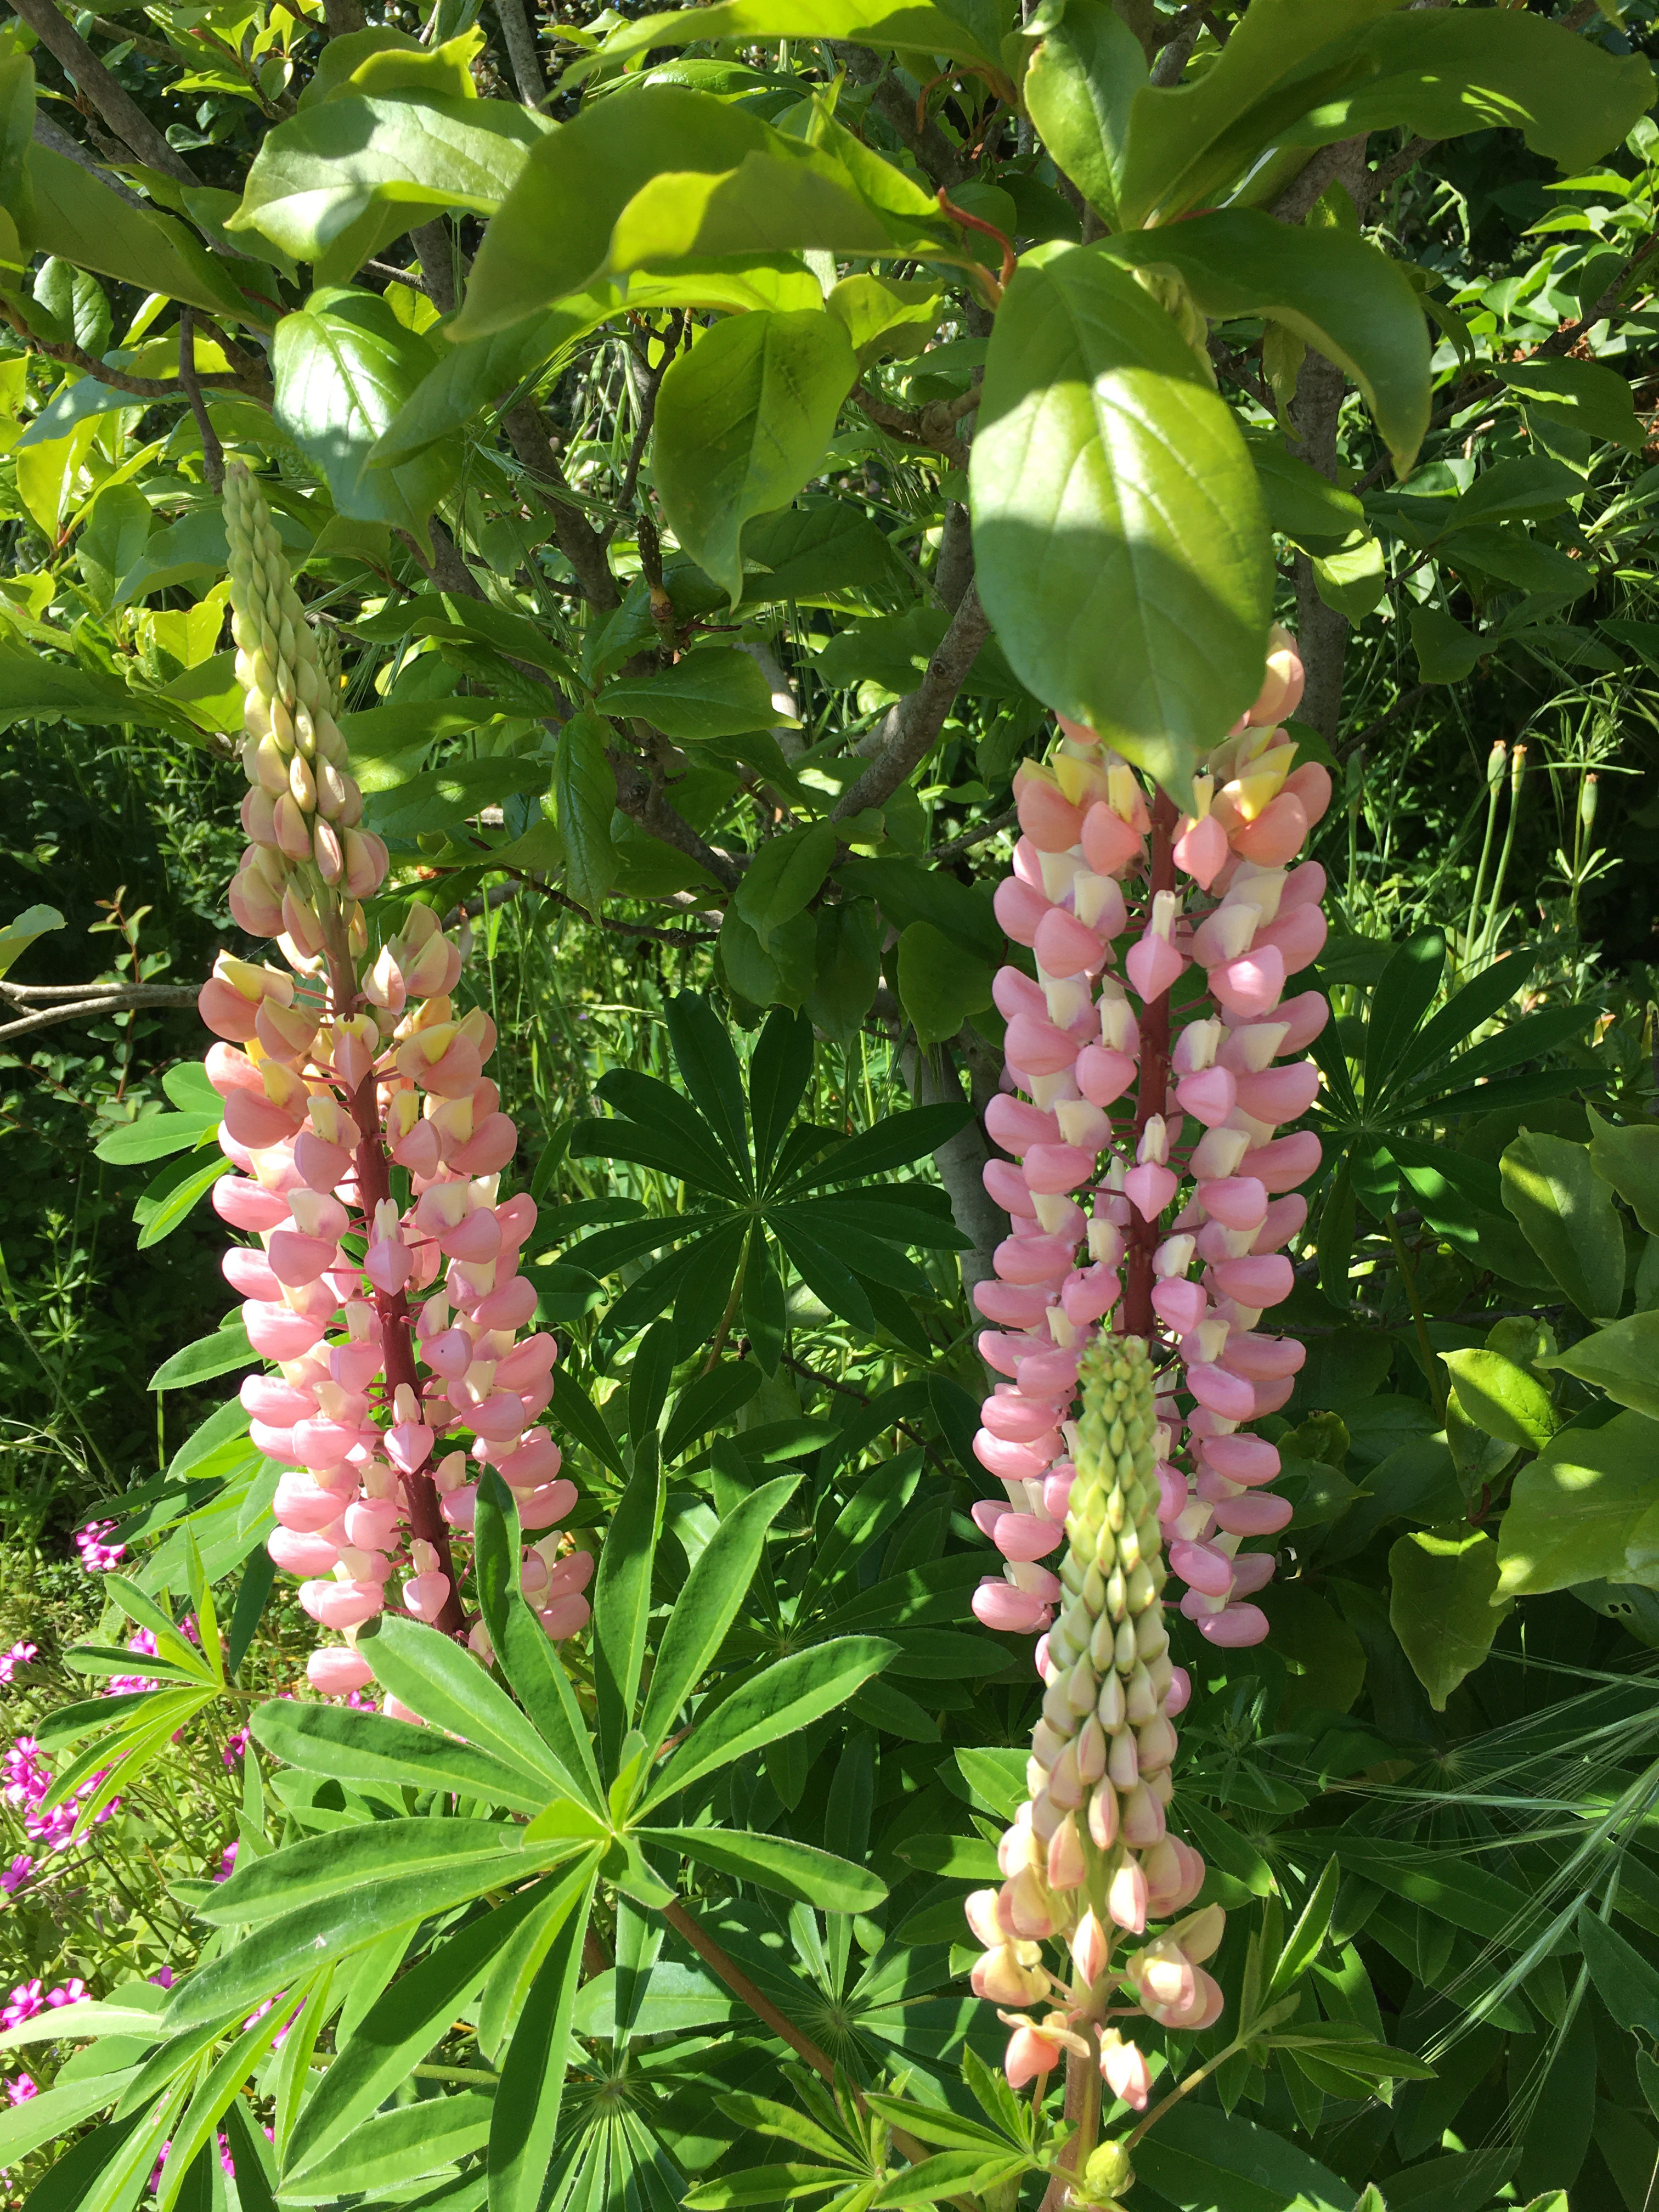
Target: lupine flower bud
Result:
[[1089, 1859]]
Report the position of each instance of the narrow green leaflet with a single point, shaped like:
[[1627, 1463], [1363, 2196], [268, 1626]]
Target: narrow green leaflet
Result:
[[714, 1591], [525, 2119], [786, 1697], [372, 1747], [798, 1870], [442, 1682], [402, 2024]]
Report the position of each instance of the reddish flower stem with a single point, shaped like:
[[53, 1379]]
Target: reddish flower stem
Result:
[[1145, 1236], [373, 1176]]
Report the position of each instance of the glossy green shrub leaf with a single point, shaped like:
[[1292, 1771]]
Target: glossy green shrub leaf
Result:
[[1501, 1398], [1622, 1360], [1573, 1512], [1331, 288], [1565, 1212], [664, 173], [584, 795], [742, 423], [1455, 72], [959, 33], [1078, 87], [1440, 1606], [338, 182], [1123, 552], [713, 692], [343, 365], [1626, 1155]]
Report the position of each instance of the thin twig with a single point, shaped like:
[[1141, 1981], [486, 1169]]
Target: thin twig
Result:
[[991, 826], [141, 387], [393, 274], [641, 929], [124, 998], [212, 454], [120, 112]]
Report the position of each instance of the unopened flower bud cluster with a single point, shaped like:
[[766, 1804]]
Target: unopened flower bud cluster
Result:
[[1091, 1863]]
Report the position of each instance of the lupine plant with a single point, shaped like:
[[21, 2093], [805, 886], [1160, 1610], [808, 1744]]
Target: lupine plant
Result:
[[331, 1080], [704, 506]]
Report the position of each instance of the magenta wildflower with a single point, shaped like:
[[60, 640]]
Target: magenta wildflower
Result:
[[13, 1876], [98, 1556], [26, 2000], [235, 1746], [21, 2088], [226, 1863], [21, 1655]]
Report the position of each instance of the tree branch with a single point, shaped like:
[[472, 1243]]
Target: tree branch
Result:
[[94, 1001], [212, 454], [933, 426], [934, 155], [639, 797], [141, 387], [909, 730], [520, 39], [580, 543], [120, 112]]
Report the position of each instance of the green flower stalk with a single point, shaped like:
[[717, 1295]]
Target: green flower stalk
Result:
[[1088, 1861]]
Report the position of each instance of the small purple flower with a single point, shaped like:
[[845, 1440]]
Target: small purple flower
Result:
[[226, 1864], [97, 1556], [235, 1746], [25, 2002], [72, 1992], [21, 1655], [53, 1830], [27, 1777], [164, 1979], [13, 1876], [21, 2088]]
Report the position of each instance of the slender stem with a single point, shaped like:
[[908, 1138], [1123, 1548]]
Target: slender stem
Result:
[[212, 454], [1083, 2105], [1191, 2082], [730, 1313], [1431, 1370], [373, 1174], [1493, 792], [1518, 771], [740, 1986]]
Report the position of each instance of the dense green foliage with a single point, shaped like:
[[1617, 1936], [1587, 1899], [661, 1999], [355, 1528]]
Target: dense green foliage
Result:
[[707, 513]]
